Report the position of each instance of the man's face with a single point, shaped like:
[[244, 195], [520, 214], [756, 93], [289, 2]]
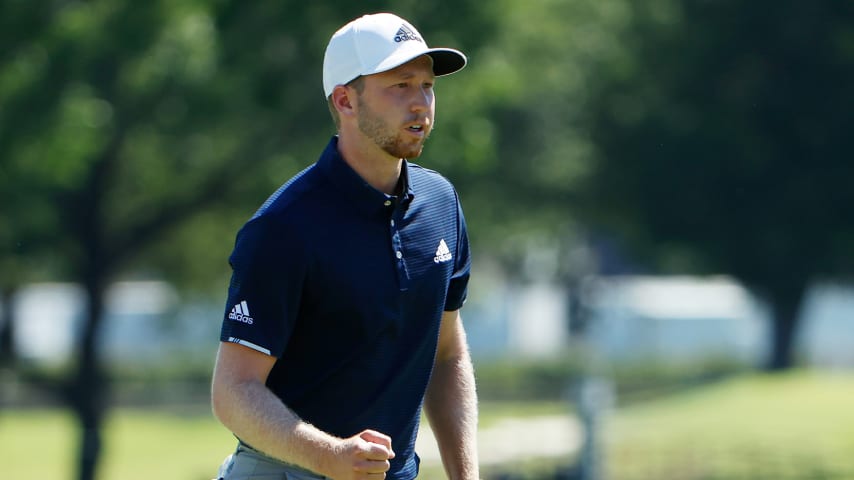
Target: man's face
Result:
[[396, 108]]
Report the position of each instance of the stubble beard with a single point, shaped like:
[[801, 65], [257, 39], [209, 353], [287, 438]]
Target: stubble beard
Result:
[[385, 137]]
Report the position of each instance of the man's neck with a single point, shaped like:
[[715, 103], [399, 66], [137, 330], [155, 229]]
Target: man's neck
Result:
[[376, 167]]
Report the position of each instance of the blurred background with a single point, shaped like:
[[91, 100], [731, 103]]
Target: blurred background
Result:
[[658, 199]]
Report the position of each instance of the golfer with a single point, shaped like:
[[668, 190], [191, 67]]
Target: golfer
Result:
[[342, 317]]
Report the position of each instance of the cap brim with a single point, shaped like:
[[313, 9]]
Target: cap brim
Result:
[[446, 60]]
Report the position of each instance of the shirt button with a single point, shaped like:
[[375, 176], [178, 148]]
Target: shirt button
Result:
[[399, 255], [387, 203]]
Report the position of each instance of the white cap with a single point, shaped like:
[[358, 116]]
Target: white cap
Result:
[[377, 43]]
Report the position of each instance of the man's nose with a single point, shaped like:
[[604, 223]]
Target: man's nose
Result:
[[423, 100]]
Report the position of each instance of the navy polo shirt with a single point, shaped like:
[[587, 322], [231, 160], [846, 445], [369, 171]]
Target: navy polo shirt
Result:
[[346, 286]]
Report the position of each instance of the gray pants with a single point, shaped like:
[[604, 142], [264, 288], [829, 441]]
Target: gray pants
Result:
[[247, 463]]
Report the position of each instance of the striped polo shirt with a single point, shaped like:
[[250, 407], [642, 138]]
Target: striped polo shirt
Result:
[[346, 286]]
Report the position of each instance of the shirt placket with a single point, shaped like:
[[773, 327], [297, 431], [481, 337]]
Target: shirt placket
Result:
[[394, 222]]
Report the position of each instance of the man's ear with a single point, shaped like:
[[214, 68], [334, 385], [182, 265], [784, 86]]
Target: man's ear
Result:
[[343, 99]]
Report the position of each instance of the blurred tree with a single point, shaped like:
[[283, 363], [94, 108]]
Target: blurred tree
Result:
[[724, 139], [27, 218], [91, 93]]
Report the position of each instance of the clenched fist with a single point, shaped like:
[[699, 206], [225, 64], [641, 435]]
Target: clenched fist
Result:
[[365, 455]]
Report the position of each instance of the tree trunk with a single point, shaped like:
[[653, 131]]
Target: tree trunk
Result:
[[785, 310], [88, 390]]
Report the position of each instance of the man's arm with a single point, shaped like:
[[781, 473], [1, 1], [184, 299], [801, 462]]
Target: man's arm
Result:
[[244, 404], [451, 401]]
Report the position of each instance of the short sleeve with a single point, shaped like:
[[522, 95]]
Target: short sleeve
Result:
[[268, 272], [458, 287]]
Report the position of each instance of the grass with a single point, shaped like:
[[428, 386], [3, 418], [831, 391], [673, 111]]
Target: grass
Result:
[[798, 425], [41, 444], [143, 444], [785, 426]]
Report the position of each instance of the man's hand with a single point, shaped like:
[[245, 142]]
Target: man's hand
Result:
[[363, 456]]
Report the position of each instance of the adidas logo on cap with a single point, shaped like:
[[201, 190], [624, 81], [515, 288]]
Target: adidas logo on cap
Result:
[[405, 33]]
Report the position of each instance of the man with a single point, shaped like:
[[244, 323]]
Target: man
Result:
[[343, 310]]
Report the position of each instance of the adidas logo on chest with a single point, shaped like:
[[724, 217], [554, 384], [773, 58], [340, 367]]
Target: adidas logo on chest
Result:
[[443, 253]]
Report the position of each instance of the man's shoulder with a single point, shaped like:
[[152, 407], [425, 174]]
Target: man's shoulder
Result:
[[422, 177], [286, 209], [286, 212], [293, 193], [419, 170]]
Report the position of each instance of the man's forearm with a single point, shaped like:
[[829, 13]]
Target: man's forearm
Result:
[[451, 407], [255, 415]]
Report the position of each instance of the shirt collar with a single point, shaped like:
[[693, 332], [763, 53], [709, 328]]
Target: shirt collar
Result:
[[356, 190]]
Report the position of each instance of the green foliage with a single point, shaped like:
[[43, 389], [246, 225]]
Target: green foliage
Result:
[[146, 133], [526, 380], [721, 147], [721, 144], [121, 121], [606, 108], [554, 379]]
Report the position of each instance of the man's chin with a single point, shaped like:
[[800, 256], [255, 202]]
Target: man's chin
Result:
[[406, 152], [415, 153]]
